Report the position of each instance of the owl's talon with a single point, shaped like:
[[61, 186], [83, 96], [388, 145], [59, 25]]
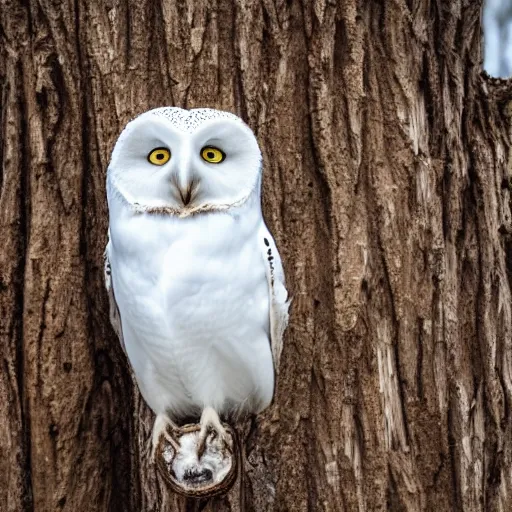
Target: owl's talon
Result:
[[160, 429], [173, 442], [201, 445], [210, 421]]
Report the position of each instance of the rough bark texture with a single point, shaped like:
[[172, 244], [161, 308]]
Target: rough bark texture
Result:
[[387, 186]]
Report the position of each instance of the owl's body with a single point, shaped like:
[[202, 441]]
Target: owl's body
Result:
[[195, 279], [194, 303]]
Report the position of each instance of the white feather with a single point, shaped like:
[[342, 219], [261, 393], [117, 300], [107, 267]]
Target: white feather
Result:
[[200, 311]]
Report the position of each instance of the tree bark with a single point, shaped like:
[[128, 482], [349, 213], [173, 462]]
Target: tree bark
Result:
[[387, 184]]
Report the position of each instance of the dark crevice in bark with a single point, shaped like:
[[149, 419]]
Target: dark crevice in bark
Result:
[[157, 48], [321, 179], [84, 132], [507, 243], [238, 76], [40, 333], [128, 38], [440, 468], [427, 89], [24, 231], [4, 92], [454, 451], [394, 503], [168, 62], [446, 195], [250, 439], [419, 361]]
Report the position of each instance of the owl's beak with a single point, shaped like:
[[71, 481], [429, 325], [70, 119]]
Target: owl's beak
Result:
[[185, 186], [185, 195]]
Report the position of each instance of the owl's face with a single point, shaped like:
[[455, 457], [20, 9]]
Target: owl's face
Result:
[[176, 160]]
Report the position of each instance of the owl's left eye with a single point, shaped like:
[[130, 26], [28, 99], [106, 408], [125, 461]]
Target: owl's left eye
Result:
[[159, 156], [212, 155]]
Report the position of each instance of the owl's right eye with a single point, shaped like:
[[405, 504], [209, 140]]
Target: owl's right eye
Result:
[[159, 156]]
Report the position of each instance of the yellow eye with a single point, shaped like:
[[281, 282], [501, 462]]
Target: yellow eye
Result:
[[159, 156], [212, 155]]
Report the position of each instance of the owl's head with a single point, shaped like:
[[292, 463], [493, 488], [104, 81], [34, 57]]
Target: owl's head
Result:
[[183, 161]]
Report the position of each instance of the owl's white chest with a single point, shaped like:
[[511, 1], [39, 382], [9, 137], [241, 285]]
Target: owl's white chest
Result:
[[194, 304]]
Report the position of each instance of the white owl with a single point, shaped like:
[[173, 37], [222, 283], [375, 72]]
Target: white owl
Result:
[[195, 281]]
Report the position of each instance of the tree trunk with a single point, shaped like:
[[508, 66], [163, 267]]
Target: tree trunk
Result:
[[387, 185]]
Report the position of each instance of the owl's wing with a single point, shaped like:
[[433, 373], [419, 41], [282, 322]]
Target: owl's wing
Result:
[[115, 317], [279, 302]]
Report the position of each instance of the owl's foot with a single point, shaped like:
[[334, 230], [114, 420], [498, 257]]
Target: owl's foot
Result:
[[162, 421], [210, 421]]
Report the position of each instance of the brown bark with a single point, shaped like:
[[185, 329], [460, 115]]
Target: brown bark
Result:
[[387, 186]]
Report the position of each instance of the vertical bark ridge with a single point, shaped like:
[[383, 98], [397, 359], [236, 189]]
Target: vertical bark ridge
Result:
[[15, 478]]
